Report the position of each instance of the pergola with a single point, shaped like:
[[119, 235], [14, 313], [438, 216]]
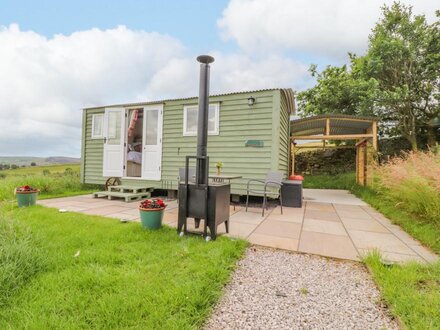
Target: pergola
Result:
[[337, 127]]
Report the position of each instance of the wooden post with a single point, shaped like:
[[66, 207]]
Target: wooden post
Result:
[[374, 132], [292, 170]]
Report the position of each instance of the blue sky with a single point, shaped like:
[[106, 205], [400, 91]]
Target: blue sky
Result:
[[192, 22], [57, 57]]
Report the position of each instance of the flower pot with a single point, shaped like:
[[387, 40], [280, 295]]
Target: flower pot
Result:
[[151, 218], [26, 198]]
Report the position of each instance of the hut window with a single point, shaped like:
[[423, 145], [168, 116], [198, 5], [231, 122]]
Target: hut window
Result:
[[190, 119], [97, 126]]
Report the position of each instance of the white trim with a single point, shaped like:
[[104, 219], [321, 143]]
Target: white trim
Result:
[[94, 116], [217, 119], [159, 108]]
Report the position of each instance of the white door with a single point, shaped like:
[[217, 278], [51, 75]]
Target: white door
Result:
[[114, 124], [152, 142]]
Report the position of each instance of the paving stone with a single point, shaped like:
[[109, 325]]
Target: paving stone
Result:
[[385, 242], [327, 245], [274, 241], [279, 229], [364, 224], [325, 227]]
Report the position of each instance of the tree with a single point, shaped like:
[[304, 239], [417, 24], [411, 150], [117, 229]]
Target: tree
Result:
[[404, 58], [33, 164], [14, 166], [398, 79], [338, 90]]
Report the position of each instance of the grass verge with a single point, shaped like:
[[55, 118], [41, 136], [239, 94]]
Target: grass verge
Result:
[[412, 291], [124, 276]]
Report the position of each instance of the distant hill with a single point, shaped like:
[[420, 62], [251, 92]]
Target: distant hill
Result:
[[22, 160], [62, 160]]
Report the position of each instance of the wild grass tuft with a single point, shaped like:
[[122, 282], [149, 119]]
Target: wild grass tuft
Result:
[[21, 257], [412, 182]]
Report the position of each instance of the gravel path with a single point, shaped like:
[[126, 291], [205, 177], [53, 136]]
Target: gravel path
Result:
[[274, 289]]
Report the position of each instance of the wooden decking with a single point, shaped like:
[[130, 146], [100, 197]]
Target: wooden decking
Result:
[[128, 193]]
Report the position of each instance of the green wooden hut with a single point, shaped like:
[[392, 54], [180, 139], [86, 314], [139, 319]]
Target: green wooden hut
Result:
[[144, 144]]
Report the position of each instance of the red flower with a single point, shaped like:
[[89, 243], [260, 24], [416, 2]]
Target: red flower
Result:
[[152, 204]]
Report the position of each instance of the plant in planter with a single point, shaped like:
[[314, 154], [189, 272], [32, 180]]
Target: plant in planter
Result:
[[219, 166], [151, 212], [26, 195]]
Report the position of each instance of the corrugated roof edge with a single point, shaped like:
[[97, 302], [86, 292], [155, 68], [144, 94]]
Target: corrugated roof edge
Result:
[[335, 115], [285, 90]]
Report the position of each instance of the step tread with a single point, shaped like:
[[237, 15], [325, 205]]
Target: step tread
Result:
[[125, 187], [121, 194]]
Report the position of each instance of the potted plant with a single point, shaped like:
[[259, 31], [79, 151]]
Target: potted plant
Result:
[[151, 211], [26, 195], [219, 166]]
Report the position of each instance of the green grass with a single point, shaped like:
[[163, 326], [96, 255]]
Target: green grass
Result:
[[32, 170], [53, 181], [326, 181], [124, 277], [412, 291], [20, 257]]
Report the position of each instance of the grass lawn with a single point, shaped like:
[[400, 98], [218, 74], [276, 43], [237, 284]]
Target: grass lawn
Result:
[[124, 276], [412, 291]]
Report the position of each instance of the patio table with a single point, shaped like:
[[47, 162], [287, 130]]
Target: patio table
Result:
[[222, 177]]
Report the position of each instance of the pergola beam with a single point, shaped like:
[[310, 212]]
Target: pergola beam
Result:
[[332, 137]]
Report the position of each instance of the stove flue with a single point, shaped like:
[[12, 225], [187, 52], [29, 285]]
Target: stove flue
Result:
[[200, 199]]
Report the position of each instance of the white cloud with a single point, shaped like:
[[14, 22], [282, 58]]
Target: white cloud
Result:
[[320, 27], [46, 81]]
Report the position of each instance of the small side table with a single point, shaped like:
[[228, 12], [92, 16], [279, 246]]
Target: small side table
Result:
[[292, 193]]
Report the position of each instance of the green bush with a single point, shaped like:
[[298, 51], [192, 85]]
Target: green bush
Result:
[[20, 257]]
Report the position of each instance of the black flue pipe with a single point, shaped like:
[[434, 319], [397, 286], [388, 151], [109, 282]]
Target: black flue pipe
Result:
[[202, 126]]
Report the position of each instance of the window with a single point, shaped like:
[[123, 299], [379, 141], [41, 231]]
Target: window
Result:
[[190, 119], [97, 126]]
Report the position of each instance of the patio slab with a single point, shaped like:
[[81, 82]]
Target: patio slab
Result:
[[328, 245], [331, 223]]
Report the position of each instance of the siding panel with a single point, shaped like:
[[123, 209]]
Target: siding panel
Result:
[[238, 123]]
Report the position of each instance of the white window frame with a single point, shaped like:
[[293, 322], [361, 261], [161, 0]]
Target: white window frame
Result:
[[94, 118], [217, 119]]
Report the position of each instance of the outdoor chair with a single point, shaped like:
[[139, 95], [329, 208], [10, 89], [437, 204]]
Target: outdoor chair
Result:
[[271, 186]]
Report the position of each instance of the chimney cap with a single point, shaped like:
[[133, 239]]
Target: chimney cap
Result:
[[205, 59]]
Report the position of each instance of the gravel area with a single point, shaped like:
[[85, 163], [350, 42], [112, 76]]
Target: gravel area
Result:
[[273, 289]]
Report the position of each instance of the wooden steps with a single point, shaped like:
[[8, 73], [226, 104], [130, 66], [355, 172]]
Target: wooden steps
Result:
[[128, 193]]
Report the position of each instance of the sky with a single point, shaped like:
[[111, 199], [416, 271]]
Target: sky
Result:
[[57, 57]]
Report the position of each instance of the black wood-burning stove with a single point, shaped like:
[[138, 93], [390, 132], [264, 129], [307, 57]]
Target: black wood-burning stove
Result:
[[201, 199]]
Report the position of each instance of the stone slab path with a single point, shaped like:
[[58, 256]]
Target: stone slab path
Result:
[[331, 223]]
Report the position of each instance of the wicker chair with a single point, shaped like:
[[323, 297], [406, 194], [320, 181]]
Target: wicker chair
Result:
[[271, 186]]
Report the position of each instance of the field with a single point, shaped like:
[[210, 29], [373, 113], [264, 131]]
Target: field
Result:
[[52, 180], [36, 170]]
